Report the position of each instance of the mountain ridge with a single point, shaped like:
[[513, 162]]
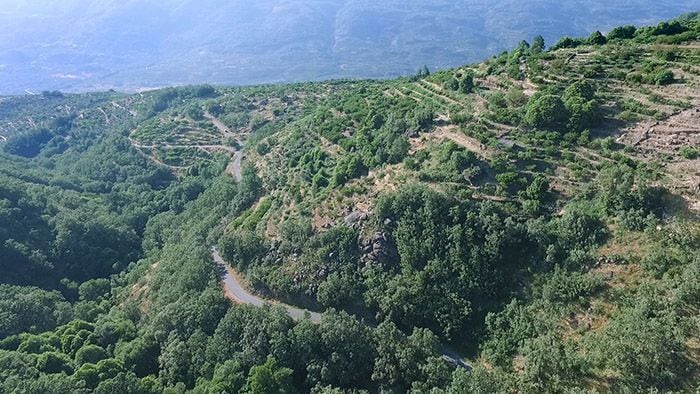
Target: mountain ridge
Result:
[[103, 45]]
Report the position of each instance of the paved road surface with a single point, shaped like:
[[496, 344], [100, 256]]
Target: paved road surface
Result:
[[235, 166], [237, 293]]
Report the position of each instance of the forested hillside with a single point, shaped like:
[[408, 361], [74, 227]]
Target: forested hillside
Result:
[[535, 214]]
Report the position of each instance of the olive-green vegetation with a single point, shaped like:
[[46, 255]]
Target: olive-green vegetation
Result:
[[487, 210]]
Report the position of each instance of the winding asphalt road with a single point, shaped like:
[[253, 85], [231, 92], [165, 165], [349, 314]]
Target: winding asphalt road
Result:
[[237, 293]]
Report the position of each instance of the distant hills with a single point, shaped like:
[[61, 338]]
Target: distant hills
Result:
[[78, 45]]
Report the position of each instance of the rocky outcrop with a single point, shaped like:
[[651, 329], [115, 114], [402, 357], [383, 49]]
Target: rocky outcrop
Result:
[[374, 249]]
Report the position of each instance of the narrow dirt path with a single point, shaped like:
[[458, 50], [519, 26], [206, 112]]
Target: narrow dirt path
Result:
[[104, 114], [218, 124], [469, 143], [234, 168], [188, 146], [440, 92], [131, 112]]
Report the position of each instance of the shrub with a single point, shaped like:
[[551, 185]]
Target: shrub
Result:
[[690, 152], [565, 286], [658, 261], [664, 77]]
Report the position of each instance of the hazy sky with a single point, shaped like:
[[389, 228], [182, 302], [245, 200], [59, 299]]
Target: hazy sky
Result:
[[131, 44]]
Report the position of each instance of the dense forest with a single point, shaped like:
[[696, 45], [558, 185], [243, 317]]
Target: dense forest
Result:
[[536, 214]]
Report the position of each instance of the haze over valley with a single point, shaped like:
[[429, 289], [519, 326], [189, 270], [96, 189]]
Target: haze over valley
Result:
[[87, 45]]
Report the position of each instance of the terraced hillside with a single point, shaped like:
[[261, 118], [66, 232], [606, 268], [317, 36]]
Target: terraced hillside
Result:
[[525, 224]]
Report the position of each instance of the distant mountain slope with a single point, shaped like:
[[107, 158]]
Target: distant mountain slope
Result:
[[134, 44]]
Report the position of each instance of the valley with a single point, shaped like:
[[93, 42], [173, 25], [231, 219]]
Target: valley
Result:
[[528, 223]]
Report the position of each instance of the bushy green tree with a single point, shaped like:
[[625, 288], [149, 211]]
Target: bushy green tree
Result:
[[464, 252], [269, 378], [538, 44], [452, 84], [140, 355], [229, 377], [597, 38], [94, 289], [54, 362], [581, 105], [423, 72], [30, 309], [645, 344], [125, 383], [479, 381], [567, 42], [546, 111], [403, 361], [90, 354], [466, 85], [242, 248], [551, 364], [622, 32], [28, 144]]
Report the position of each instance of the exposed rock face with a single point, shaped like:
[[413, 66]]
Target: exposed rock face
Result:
[[374, 249], [355, 217]]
